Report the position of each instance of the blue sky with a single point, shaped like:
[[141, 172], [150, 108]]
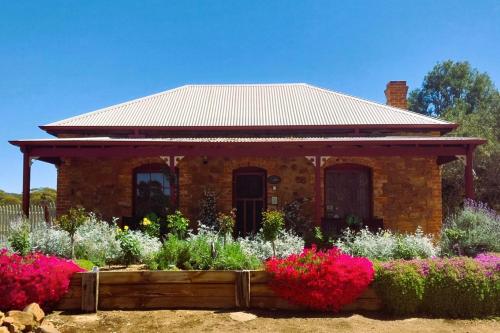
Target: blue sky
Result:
[[63, 58]]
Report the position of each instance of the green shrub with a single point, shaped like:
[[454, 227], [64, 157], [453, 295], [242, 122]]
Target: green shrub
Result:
[[19, 237], [456, 287], [272, 224], [231, 256], [150, 225], [178, 224], [460, 288], [400, 286], [204, 253], [474, 229], [131, 248], [96, 240], [173, 254]]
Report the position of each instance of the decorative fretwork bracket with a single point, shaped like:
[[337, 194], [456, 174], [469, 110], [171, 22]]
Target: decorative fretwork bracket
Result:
[[167, 160], [322, 159]]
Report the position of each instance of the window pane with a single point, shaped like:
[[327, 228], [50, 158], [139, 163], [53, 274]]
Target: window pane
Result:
[[153, 193]]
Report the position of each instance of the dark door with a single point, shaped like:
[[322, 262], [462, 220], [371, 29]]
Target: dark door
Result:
[[348, 192], [249, 193]]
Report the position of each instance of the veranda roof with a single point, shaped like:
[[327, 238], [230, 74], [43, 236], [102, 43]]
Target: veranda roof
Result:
[[384, 140], [51, 150], [247, 105]]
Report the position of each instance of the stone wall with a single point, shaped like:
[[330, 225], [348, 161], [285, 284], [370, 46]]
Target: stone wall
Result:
[[406, 191]]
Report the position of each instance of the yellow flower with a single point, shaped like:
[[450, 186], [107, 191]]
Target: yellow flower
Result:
[[125, 228], [146, 221]]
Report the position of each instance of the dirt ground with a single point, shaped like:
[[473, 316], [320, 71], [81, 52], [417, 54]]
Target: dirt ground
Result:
[[222, 321]]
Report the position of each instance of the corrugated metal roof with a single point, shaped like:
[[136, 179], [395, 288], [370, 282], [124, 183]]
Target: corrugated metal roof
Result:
[[333, 140], [248, 105]]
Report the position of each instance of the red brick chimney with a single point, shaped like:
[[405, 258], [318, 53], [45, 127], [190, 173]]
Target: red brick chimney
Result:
[[395, 92]]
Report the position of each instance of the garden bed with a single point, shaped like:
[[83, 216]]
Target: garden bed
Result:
[[143, 290]]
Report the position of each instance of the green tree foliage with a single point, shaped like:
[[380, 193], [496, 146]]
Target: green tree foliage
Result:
[[38, 196], [273, 222], [42, 195], [9, 198], [450, 85], [456, 92]]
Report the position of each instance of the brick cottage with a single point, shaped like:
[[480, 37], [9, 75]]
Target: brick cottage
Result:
[[259, 146]]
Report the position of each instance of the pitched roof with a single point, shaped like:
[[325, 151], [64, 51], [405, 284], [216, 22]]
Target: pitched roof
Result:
[[253, 105]]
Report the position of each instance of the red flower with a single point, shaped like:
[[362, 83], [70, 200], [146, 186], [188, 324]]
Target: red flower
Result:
[[321, 280], [33, 278]]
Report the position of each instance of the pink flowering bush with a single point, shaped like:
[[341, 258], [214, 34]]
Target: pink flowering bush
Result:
[[320, 280], [33, 278], [449, 287]]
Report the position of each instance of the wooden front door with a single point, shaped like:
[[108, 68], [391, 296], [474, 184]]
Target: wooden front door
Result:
[[249, 198], [348, 191]]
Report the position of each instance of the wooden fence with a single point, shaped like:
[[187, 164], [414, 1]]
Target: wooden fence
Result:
[[144, 290], [10, 213]]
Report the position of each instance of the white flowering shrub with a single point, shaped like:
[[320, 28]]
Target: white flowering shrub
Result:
[[287, 243], [385, 245], [96, 241], [205, 232], [50, 240], [148, 246]]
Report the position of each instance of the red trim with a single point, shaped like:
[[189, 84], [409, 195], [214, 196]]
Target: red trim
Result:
[[285, 129], [329, 141], [347, 167], [469, 174], [246, 150], [317, 191], [26, 182]]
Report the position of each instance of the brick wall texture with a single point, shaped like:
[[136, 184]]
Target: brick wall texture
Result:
[[395, 94], [406, 190]]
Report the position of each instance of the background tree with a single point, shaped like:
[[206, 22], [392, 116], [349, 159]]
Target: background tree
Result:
[[38, 196], [456, 92]]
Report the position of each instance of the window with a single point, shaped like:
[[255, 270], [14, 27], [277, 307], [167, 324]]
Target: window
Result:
[[348, 191], [155, 190]]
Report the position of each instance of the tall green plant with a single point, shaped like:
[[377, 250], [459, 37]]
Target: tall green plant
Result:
[[226, 222], [272, 224], [178, 224], [70, 222], [19, 237]]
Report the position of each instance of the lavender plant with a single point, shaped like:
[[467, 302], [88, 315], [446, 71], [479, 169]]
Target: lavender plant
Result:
[[474, 229]]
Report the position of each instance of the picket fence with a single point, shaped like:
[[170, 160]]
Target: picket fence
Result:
[[11, 213]]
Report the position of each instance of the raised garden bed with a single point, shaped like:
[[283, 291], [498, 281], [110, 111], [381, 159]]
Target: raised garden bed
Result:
[[143, 290]]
